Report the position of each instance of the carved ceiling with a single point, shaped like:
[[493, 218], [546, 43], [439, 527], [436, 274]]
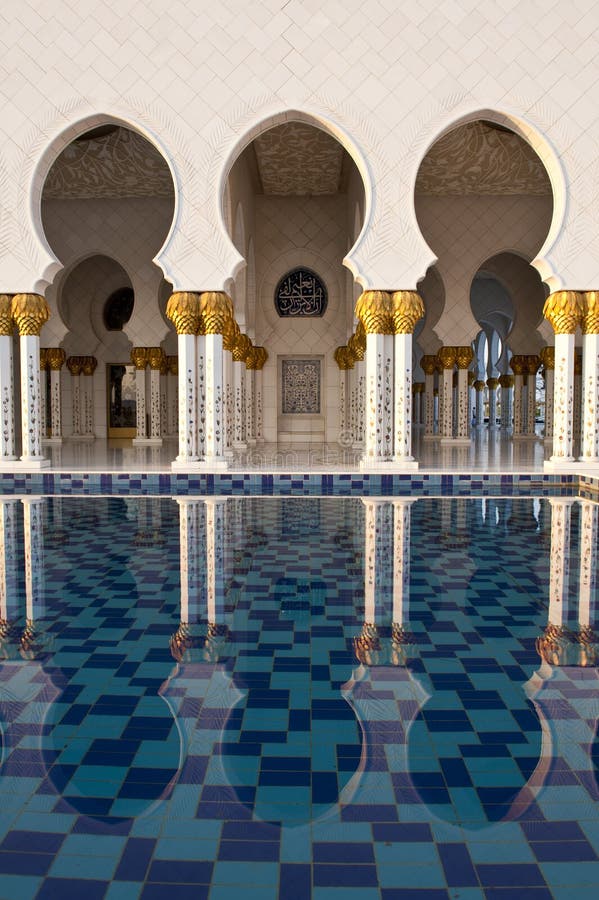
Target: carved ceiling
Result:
[[481, 158], [299, 159], [109, 164]]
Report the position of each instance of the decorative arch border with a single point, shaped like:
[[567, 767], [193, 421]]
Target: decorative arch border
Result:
[[527, 125]]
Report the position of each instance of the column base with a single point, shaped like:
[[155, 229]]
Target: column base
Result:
[[8, 459], [558, 463], [52, 440], [147, 442], [592, 461], [378, 463], [82, 437], [431, 437], [32, 462], [182, 465], [239, 445], [251, 442], [405, 463], [214, 462], [456, 441]]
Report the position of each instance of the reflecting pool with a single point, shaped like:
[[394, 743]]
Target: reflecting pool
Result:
[[299, 697]]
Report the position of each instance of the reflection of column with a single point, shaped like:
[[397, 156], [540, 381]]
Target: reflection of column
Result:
[[9, 579], [215, 558], [215, 309], [30, 311], [492, 385], [589, 564], [548, 361], [139, 358], [590, 378], [407, 309], [172, 401], [401, 560], [518, 367], [43, 391], [155, 356], [56, 357], [89, 364], [378, 560], [561, 512], [183, 311], [447, 358], [74, 366], [428, 364], [532, 367], [7, 385], [565, 310], [373, 309], [192, 542], [33, 508], [260, 356], [507, 398]]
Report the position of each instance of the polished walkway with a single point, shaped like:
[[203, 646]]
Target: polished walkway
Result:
[[493, 452]]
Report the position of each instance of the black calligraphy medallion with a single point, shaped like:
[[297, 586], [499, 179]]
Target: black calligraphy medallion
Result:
[[301, 293]]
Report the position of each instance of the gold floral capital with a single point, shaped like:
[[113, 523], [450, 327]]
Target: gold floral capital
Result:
[[74, 365], [155, 356], [373, 309], [343, 357], [216, 309], [88, 364], [139, 356], [464, 356], [447, 357], [230, 335], [479, 385], [407, 308], [55, 357], [518, 365], [428, 364], [590, 322], [43, 358], [6, 320], [260, 355], [183, 309], [241, 347], [172, 363], [30, 312], [547, 355], [565, 311], [506, 381], [492, 383], [532, 364], [356, 348]]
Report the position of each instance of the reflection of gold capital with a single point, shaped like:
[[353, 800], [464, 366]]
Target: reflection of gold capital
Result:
[[428, 364], [447, 357], [55, 357], [74, 364], [547, 355], [565, 310], [532, 364], [590, 322], [464, 356], [139, 357], [518, 365], [216, 309], [155, 357], [30, 312], [88, 364], [373, 309], [172, 363], [183, 309], [492, 383], [407, 308], [506, 381], [6, 320]]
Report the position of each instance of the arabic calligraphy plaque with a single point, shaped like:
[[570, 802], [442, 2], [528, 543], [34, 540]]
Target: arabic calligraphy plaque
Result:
[[301, 293], [301, 386]]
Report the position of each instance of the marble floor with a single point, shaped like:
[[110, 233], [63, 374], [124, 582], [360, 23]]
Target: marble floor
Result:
[[493, 452]]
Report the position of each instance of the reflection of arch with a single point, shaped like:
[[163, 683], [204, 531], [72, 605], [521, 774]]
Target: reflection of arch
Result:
[[322, 123]]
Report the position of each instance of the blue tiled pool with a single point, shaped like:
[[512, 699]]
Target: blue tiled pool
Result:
[[391, 698]]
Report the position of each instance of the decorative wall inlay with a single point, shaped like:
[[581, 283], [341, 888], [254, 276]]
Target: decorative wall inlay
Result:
[[479, 158], [301, 293], [301, 386], [296, 158], [119, 164]]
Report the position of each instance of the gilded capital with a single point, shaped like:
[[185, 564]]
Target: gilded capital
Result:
[[565, 311], [373, 309], [506, 381], [407, 308], [532, 364], [356, 348], [590, 322], [155, 356], [428, 364], [183, 309], [241, 347], [479, 385], [6, 320], [343, 357], [74, 364], [578, 364], [216, 309], [492, 383], [43, 358], [418, 387], [172, 363], [30, 312], [547, 355], [261, 356], [139, 355], [88, 364], [55, 357], [251, 359], [464, 356], [230, 335], [518, 365], [447, 357]]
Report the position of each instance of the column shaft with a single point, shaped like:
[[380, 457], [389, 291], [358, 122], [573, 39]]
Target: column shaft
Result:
[[590, 398], [214, 446], [7, 400], [563, 398], [403, 398], [188, 405]]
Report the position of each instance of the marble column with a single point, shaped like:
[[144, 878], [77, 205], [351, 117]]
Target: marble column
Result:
[[447, 358], [74, 365], [164, 422], [139, 358], [30, 312], [378, 560], [250, 398], [55, 357], [192, 546], [345, 364], [402, 510], [216, 309], [507, 399], [7, 386], [479, 414], [518, 367], [215, 558], [373, 309], [183, 309], [172, 401], [33, 538], [230, 335], [548, 361], [561, 515], [589, 564], [89, 364], [590, 378], [200, 422], [577, 409], [407, 308], [9, 563], [357, 346], [260, 357], [428, 364], [532, 367], [418, 393], [155, 356], [44, 391], [565, 311], [241, 348], [492, 385]]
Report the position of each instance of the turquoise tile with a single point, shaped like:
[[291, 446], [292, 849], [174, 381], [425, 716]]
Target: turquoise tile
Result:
[[404, 875], [86, 866], [186, 848], [103, 845], [238, 873], [20, 887]]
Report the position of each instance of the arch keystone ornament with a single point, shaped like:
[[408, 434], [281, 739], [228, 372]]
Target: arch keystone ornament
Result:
[[406, 309], [30, 312], [7, 387], [565, 310], [590, 378]]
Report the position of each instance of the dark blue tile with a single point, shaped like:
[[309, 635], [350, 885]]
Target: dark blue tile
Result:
[[343, 852], [72, 889], [249, 851], [520, 875], [176, 871], [33, 841], [135, 859], [457, 865], [354, 876]]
